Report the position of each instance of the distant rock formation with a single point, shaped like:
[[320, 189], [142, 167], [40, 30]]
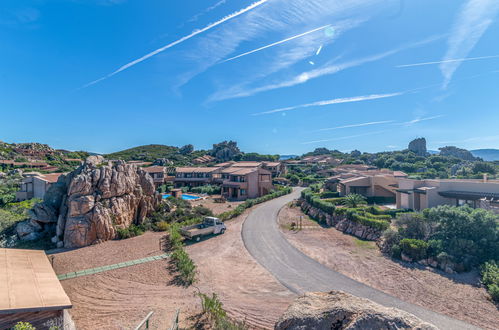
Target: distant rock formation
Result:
[[456, 152], [162, 162], [418, 146], [225, 151], [339, 310], [87, 206]]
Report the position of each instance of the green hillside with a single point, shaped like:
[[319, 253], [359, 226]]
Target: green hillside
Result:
[[151, 152]]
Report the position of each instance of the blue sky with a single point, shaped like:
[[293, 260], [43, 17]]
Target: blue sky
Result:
[[278, 76]]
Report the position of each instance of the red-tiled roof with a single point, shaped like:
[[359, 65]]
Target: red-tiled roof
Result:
[[154, 169], [52, 177], [196, 169]]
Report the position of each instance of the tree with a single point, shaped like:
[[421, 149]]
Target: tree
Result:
[[355, 153], [354, 200], [414, 225], [187, 149], [483, 167]]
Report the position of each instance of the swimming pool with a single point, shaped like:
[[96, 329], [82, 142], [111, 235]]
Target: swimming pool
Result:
[[184, 196]]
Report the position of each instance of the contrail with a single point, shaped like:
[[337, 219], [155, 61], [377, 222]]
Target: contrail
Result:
[[318, 50], [276, 43], [448, 61], [195, 33], [333, 101], [355, 125], [344, 137]]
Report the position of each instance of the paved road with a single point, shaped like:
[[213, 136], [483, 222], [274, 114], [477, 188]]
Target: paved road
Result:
[[300, 274]]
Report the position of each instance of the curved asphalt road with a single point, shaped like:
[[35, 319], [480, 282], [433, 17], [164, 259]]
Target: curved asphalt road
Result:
[[300, 274]]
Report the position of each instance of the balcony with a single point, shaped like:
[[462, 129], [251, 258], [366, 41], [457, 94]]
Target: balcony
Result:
[[232, 184]]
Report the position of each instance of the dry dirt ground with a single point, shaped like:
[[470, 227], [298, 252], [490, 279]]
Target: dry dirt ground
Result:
[[455, 295], [217, 208], [120, 298]]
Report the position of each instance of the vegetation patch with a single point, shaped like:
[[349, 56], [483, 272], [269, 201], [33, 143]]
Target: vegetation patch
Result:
[[217, 316], [490, 278]]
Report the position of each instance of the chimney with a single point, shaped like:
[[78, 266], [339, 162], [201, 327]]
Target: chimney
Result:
[[484, 177]]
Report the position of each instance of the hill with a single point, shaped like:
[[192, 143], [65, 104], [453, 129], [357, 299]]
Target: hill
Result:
[[151, 152], [486, 154]]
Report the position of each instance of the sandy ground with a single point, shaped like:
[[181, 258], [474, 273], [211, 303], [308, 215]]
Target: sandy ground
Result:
[[455, 295], [217, 208], [120, 298], [247, 290]]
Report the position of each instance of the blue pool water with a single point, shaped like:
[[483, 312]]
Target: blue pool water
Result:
[[184, 196]]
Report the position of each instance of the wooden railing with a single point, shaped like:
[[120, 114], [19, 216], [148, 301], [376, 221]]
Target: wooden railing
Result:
[[145, 322], [175, 321]]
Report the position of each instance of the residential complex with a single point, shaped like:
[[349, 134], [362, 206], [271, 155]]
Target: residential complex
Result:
[[35, 185], [363, 180], [421, 194], [158, 174], [238, 180]]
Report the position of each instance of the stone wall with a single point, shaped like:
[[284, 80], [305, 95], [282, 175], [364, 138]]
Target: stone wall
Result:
[[341, 223]]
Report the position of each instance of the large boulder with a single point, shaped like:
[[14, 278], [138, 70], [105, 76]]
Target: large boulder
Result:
[[418, 146], [339, 310], [89, 204]]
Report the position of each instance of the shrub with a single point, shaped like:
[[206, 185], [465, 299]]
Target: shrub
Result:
[[162, 226], [129, 232], [213, 308], [490, 278], [185, 265], [23, 326], [329, 194], [370, 222], [415, 249], [207, 189], [354, 200], [180, 258]]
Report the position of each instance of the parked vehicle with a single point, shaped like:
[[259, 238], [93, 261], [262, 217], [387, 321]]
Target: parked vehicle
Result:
[[210, 225]]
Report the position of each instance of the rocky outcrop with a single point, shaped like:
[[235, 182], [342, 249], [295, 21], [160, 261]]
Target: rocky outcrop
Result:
[[457, 152], [88, 205], [418, 146], [342, 223], [339, 310]]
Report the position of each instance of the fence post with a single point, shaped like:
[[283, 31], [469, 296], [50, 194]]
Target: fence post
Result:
[[175, 321]]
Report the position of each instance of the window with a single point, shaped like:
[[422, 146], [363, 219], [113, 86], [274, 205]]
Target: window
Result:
[[242, 192]]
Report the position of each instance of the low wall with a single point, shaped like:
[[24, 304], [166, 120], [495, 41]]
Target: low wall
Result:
[[341, 223]]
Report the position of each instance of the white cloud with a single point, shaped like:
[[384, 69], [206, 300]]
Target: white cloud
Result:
[[276, 43], [344, 137], [448, 61], [417, 120], [327, 69], [471, 23], [187, 37], [207, 10], [332, 101], [355, 125]]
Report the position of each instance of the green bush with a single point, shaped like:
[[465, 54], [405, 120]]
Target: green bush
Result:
[[213, 308], [207, 189], [416, 249], [23, 326], [129, 232], [329, 194], [369, 221], [180, 258], [162, 226], [354, 200], [490, 278]]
